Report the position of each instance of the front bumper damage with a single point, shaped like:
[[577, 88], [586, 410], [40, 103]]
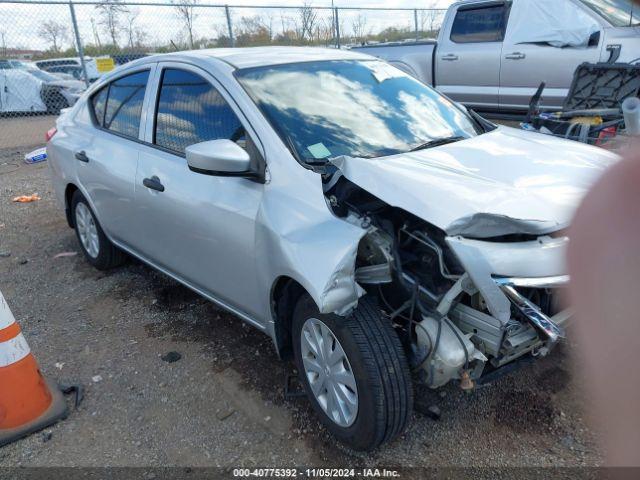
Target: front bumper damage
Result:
[[498, 269], [511, 325], [464, 291], [536, 317]]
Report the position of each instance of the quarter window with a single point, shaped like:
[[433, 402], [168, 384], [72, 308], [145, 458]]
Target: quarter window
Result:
[[475, 25], [190, 111], [124, 104], [99, 102]]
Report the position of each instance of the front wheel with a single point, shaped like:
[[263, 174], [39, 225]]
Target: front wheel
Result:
[[354, 372]]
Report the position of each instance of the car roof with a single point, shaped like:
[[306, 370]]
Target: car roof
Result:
[[66, 67], [65, 59], [265, 56]]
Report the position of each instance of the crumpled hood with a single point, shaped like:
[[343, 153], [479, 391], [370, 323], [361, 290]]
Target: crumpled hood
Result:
[[533, 182]]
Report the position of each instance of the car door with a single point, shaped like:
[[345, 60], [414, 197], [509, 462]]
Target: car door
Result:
[[468, 60], [526, 65], [107, 151], [198, 227]]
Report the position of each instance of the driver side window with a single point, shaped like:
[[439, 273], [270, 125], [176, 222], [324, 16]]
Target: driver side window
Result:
[[190, 110], [479, 25]]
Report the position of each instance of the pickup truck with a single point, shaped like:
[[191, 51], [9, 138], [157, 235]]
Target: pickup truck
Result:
[[492, 55]]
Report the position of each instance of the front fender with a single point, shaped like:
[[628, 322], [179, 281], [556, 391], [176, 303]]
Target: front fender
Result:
[[315, 248]]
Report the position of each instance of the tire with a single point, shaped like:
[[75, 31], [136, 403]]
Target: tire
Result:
[[55, 102], [377, 362], [100, 252]]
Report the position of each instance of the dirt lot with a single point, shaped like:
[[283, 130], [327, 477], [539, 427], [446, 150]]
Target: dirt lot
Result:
[[16, 132], [222, 403]]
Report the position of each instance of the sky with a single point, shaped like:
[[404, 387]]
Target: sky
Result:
[[20, 23]]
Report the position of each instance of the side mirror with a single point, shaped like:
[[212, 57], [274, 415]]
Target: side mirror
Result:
[[218, 157], [594, 39]]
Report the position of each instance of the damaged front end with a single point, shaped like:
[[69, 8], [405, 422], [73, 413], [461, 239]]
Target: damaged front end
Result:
[[463, 307]]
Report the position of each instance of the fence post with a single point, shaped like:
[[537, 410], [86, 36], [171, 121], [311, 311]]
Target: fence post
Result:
[[78, 42], [229, 26], [415, 23], [337, 28]]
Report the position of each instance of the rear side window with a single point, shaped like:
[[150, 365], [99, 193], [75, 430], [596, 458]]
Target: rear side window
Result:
[[99, 102], [475, 25], [124, 104], [190, 110]]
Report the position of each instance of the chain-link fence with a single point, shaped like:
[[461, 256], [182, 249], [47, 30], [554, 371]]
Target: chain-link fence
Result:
[[50, 50]]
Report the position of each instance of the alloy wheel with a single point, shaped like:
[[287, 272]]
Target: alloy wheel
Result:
[[87, 230]]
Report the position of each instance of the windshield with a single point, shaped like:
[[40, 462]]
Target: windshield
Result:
[[355, 108], [44, 76], [619, 13]]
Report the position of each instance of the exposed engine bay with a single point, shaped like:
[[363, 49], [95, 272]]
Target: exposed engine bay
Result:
[[463, 307]]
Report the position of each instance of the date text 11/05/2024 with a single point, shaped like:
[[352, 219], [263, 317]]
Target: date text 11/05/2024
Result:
[[316, 472]]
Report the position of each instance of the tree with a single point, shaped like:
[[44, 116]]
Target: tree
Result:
[[267, 23], [186, 12], [325, 30], [53, 32], [110, 13], [307, 22], [394, 34], [429, 19], [253, 31], [286, 36], [359, 28], [135, 35], [96, 35], [3, 43], [141, 38]]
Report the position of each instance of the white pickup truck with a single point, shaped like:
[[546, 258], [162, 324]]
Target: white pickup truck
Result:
[[492, 55]]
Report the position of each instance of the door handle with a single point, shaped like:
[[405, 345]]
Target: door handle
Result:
[[153, 183], [515, 56], [452, 57], [82, 156]]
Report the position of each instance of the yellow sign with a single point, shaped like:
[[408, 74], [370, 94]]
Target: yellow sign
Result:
[[105, 64]]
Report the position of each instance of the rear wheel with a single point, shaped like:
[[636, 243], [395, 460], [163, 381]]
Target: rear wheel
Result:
[[95, 245], [354, 372]]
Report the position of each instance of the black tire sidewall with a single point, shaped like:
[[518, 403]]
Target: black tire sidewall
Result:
[[55, 102], [360, 433]]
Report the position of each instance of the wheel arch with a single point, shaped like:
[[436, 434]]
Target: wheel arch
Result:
[[69, 190], [285, 293]]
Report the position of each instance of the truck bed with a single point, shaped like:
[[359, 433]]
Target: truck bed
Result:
[[414, 58]]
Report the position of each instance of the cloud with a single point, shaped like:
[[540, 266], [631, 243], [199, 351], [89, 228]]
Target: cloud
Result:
[[329, 99]]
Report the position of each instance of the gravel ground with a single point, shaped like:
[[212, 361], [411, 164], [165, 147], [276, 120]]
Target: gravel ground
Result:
[[222, 403], [15, 132]]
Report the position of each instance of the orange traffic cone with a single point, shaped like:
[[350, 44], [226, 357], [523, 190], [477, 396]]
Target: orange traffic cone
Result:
[[28, 402]]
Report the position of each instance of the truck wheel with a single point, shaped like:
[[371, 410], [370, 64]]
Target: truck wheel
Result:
[[354, 372], [95, 245]]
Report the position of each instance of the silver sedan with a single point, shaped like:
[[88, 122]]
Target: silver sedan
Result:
[[379, 233]]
